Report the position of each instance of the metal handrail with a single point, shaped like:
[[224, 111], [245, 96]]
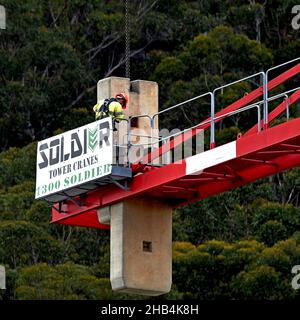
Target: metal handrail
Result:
[[266, 88], [152, 118], [212, 134], [212, 120], [140, 135], [276, 96], [287, 107], [174, 135], [122, 145], [216, 118], [138, 116], [168, 109], [212, 94], [282, 94], [182, 103], [242, 110], [203, 123], [286, 98], [248, 107]]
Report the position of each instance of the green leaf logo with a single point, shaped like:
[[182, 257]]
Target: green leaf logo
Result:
[[93, 139]]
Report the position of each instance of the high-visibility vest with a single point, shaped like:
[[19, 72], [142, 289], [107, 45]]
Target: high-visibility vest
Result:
[[114, 110]]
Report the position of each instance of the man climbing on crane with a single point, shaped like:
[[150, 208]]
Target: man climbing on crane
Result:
[[112, 107]]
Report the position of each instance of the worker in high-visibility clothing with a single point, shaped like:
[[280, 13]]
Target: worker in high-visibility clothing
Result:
[[112, 107]]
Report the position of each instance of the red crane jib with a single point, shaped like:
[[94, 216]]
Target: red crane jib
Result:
[[247, 99]]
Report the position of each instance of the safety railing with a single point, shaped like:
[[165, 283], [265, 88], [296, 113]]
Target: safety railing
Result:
[[256, 105], [151, 119], [121, 148], [284, 94], [161, 139], [212, 111], [266, 109], [243, 109], [212, 127], [181, 104]]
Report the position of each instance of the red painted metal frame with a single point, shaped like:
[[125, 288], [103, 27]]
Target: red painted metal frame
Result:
[[258, 155], [247, 99], [140, 184], [277, 111]]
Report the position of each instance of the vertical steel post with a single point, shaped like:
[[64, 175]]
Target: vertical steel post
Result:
[[151, 136], [258, 119], [266, 124], [212, 127], [287, 107], [265, 92], [128, 140], [212, 120]]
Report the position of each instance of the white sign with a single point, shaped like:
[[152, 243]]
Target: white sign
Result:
[[2, 277], [74, 158]]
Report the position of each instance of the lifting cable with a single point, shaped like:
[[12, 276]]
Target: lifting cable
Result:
[[127, 40]]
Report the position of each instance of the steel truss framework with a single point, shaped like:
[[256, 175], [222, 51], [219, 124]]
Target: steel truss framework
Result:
[[260, 152]]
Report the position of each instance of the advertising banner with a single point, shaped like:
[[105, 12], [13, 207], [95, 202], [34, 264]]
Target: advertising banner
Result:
[[74, 158]]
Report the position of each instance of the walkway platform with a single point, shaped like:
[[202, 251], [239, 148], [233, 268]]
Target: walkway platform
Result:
[[119, 176], [206, 174]]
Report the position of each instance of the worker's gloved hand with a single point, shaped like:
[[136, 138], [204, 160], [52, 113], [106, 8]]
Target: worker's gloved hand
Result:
[[115, 129], [96, 107]]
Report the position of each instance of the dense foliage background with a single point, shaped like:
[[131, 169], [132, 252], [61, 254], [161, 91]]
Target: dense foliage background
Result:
[[238, 245]]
